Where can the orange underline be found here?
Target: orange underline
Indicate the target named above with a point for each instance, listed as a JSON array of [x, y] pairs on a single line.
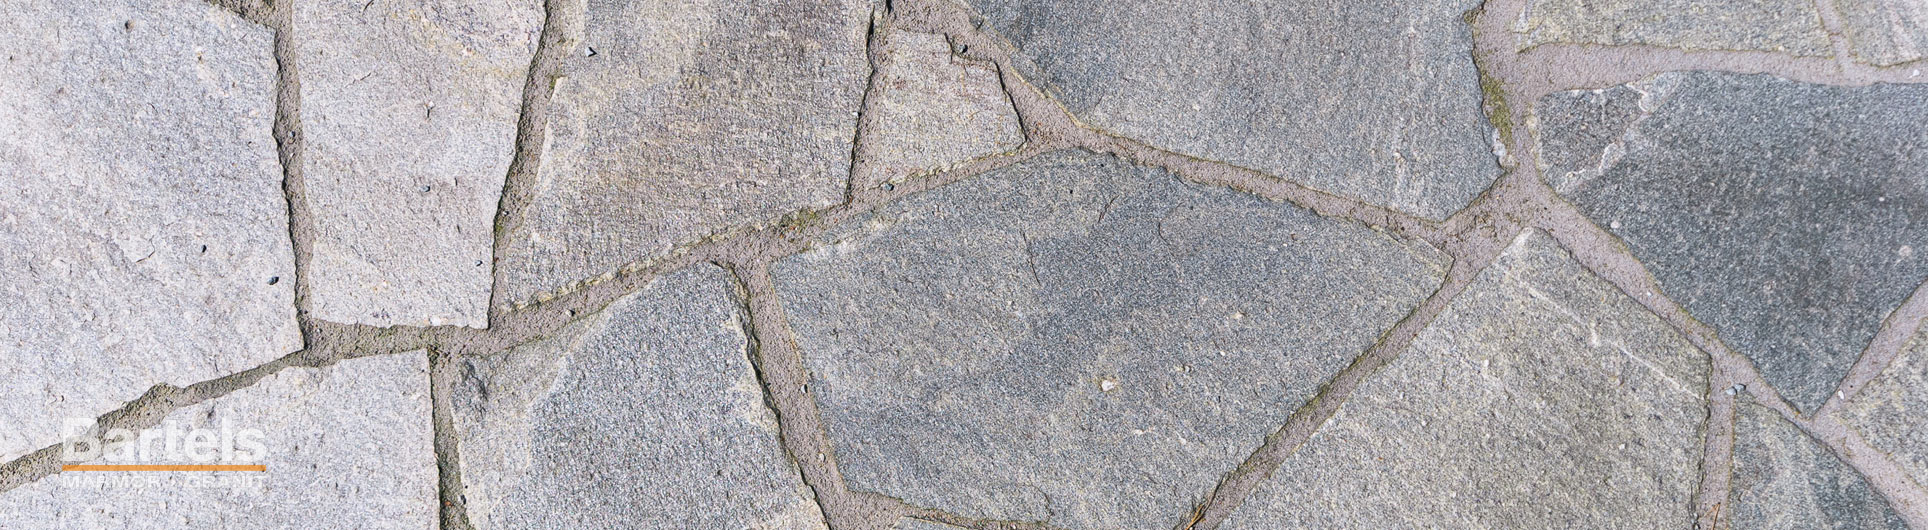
[[130, 467]]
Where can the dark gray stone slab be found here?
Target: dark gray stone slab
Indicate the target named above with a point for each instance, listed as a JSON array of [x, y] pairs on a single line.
[[674, 122], [1783, 479], [143, 228], [1790, 217], [647, 414], [1892, 412], [1885, 32], [1375, 100], [1081, 341], [1787, 26], [408, 116], [1541, 398]]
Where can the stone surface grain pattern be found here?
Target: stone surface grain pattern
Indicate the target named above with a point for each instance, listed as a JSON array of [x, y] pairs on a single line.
[[1783, 479]]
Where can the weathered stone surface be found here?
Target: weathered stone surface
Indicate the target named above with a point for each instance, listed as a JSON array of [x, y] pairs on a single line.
[[1080, 341], [347, 446], [935, 109], [1885, 32], [143, 229], [647, 414], [1787, 26], [1892, 412], [1790, 217], [408, 115], [1579, 131], [1541, 398], [675, 121], [1783, 479], [1375, 100], [907, 523]]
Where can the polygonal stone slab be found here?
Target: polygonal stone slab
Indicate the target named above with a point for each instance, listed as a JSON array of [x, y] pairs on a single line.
[[346, 446], [1886, 32], [1376, 100], [1541, 398], [408, 116], [1787, 26], [1081, 341], [676, 121], [1787, 216], [647, 414], [143, 228], [1892, 412], [1783, 479], [935, 109]]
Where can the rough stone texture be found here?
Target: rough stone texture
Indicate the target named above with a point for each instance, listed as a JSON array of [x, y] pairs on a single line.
[[1080, 341], [1791, 217], [1787, 26], [647, 414], [408, 115], [1579, 131], [935, 109], [1541, 398], [1892, 412], [907, 523], [1783, 479], [1375, 100], [348, 446], [676, 121], [1885, 32], [143, 229]]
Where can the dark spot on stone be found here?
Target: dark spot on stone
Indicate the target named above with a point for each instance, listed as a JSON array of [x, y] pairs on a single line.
[[274, 280]]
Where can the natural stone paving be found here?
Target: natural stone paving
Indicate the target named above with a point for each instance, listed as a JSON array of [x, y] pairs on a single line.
[[1787, 26], [1205, 78], [1892, 412], [1542, 398], [408, 117], [647, 414], [935, 109], [1886, 32], [920, 524], [1078, 340], [138, 185], [350, 441], [1786, 215], [1783, 479]]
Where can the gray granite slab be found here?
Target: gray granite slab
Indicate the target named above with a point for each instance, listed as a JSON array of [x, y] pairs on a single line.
[[1080, 341], [907, 523], [676, 121], [346, 446], [1885, 32], [935, 109], [1892, 412], [143, 229], [1376, 100], [408, 116], [1784, 479], [1790, 217], [1787, 26], [1541, 397], [647, 414]]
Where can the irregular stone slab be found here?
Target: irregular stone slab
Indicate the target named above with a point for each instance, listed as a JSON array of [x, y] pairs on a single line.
[[1885, 32], [935, 109], [1080, 341], [1892, 412], [676, 121], [346, 446], [1374, 100], [1541, 397], [1580, 131], [408, 116], [647, 414], [1782, 479], [1787, 26], [1784, 215], [907, 523], [143, 229]]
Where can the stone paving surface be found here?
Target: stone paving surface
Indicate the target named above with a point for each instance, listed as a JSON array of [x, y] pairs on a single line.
[[964, 264]]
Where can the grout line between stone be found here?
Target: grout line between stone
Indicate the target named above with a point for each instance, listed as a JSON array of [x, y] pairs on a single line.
[[561, 20], [443, 373], [1717, 456], [1896, 334], [289, 143]]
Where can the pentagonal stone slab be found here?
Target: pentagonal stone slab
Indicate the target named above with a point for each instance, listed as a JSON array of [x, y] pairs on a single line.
[[408, 116], [1783, 479], [1790, 217], [1375, 100], [1892, 412], [346, 446], [143, 229], [676, 121], [935, 109], [1787, 26], [1885, 32], [1080, 341], [1541, 398], [647, 414]]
